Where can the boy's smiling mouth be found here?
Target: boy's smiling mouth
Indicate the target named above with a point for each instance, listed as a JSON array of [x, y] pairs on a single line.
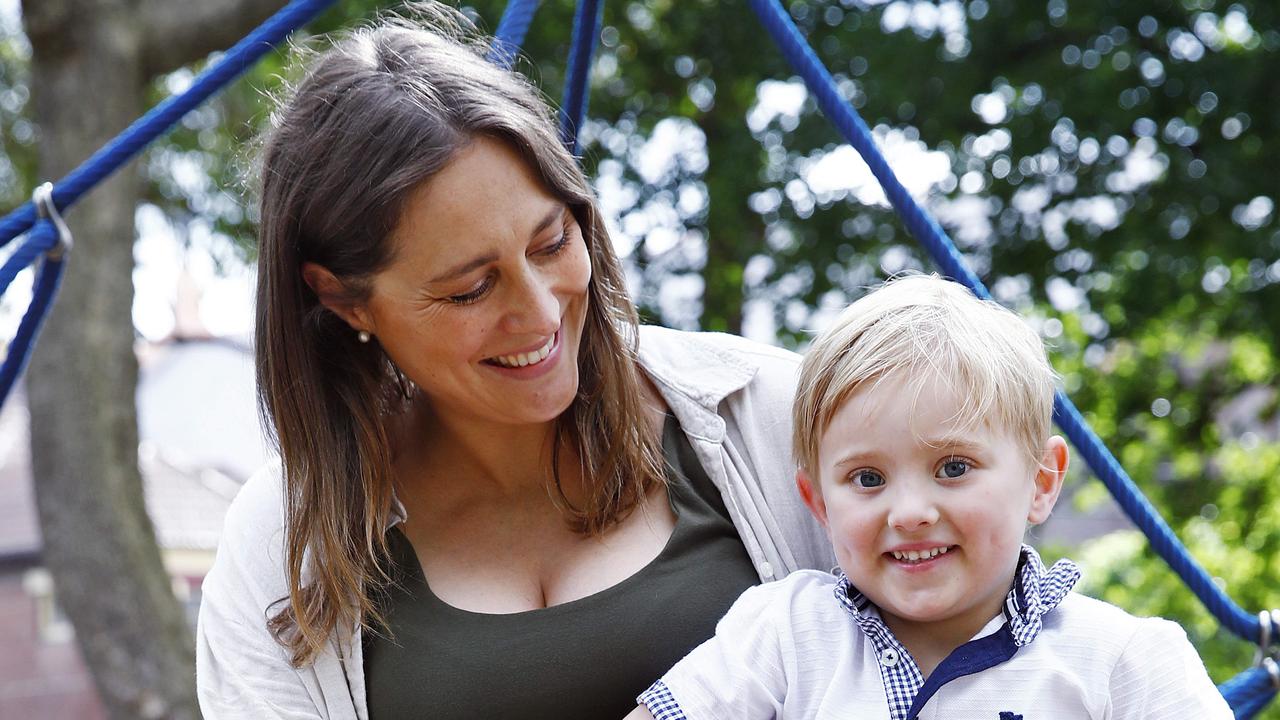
[[914, 557]]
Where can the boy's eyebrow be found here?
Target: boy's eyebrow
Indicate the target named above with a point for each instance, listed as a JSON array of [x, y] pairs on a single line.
[[854, 457], [858, 455], [468, 265], [951, 442]]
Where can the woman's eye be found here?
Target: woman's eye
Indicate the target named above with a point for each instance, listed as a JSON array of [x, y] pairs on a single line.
[[953, 469], [868, 479], [469, 297], [560, 244]]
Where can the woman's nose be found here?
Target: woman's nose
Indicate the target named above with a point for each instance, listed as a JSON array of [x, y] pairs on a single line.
[[534, 308]]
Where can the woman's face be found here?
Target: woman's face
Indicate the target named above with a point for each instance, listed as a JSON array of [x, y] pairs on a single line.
[[483, 303]]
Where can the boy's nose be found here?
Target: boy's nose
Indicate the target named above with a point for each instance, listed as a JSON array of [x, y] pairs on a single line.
[[913, 511]]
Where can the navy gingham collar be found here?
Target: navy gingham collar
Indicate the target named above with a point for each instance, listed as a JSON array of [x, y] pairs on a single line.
[[1036, 591]]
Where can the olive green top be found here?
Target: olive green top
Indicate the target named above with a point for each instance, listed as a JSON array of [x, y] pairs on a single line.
[[587, 658]]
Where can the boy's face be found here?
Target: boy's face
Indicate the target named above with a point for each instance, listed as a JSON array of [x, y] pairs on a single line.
[[927, 521]]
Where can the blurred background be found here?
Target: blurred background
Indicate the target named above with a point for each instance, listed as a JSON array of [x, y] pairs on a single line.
[[1109, 169]]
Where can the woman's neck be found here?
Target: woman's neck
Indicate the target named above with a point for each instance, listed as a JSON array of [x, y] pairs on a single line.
[[490, 458]]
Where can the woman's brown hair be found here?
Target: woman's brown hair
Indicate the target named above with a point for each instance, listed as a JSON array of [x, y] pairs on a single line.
[[375, 116]]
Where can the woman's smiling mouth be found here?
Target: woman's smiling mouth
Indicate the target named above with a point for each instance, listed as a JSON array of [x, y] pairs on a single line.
[[526, 359]]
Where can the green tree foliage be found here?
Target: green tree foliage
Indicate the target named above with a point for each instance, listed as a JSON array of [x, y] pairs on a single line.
[[17, 134], [1191, 414], [1112, 150]]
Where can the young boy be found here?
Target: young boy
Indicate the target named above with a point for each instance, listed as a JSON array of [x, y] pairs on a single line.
[[922, 432]]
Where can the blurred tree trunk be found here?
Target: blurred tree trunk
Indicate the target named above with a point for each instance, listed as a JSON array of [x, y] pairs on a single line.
[[91, 65]]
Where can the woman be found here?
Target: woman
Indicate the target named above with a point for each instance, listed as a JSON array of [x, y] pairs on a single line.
[[498, 497]]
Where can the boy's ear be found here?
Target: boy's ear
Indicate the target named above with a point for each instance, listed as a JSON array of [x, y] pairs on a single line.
[[812, 496], [334, 296], [1049, 477]]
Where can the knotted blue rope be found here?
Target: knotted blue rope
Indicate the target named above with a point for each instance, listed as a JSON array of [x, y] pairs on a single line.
[[511, 31], [586, 31], [163, 116], [110, 158], [38, 242], [944, 252]]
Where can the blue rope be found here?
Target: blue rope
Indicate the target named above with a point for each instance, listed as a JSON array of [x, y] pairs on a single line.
[[163, 116], [577, 81], [42, 237], [1249, 692], [38, 242], [511, 31], [1140, 511], [110, 158], [944, 252]]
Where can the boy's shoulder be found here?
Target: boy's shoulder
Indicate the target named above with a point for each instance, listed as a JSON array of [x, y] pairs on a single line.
[[792, 611], [1139, 667], [1084, 625], [803, 591], [806, 585], [1077, 609]]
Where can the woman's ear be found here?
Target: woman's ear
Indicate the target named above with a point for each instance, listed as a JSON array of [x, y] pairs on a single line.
[[1049, 476], [335, 296], [812, 496]]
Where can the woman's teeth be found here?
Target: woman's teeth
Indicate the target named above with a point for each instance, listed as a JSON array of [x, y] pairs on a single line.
[[525, 359], [920, 555]]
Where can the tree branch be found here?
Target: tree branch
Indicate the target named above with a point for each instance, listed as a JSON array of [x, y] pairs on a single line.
[[176, 33]]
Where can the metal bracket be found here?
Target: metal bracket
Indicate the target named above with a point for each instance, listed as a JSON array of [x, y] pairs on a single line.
[[1273, 670], [42, 198], [1266, 621]]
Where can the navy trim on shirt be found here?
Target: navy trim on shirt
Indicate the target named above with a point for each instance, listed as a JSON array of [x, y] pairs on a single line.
[[972, 657]]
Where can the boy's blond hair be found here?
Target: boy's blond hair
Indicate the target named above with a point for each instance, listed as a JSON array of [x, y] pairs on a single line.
[[921, 327]]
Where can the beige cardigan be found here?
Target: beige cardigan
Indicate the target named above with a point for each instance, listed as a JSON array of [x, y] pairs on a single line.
[[733, 400]]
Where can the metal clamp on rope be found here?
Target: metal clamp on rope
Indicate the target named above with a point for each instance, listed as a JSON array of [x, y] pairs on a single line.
[[1273, 670], [1266, 621], [42, 197]]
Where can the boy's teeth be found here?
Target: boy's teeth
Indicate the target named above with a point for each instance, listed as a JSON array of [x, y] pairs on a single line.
[[919, 555], [525, 359]]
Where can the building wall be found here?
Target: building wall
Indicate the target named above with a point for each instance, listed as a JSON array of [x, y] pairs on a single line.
[[41, 672]]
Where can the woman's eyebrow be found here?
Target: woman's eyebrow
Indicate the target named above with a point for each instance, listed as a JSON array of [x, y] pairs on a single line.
[[462, 269], [469, 265], [555, 213]]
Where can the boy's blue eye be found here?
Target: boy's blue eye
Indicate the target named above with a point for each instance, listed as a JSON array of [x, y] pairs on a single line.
[[953, 469], [868, 479]]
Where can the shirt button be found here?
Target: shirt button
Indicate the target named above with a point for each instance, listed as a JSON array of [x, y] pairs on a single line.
[[766, 570], [889, 658]]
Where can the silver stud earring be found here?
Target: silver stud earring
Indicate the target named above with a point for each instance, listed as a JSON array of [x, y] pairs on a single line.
[[363, 336]]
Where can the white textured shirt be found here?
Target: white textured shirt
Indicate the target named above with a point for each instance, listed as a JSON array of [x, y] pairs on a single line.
[[733, 400], [794, 649]]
